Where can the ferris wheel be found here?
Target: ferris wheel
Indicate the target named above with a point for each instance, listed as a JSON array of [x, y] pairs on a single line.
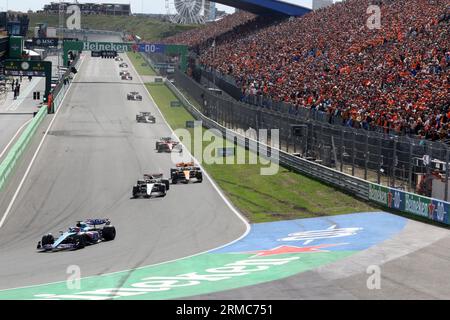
[[187, 11]]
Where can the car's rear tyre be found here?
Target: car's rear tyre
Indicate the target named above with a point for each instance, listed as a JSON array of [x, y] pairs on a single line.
[[109, 233], [167, 183], [135, 192]]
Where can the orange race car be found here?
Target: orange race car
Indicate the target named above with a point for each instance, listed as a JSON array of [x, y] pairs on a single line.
[[186, 172]]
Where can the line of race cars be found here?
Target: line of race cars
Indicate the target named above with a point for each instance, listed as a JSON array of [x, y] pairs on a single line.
[[142, 117], [94, 231], [155, 185], [124, 74]]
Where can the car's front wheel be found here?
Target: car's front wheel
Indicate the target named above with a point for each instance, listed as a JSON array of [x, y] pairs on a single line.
[[109, 233], [80, 242], [47, 240]]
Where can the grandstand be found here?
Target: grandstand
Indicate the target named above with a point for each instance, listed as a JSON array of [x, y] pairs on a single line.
[[267, 7], [394, 79]]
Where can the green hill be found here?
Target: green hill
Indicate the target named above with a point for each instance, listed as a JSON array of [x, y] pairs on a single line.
[[148, 29]]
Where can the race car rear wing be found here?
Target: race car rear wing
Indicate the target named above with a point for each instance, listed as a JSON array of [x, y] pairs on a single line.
[[97, 222], [154, 176]]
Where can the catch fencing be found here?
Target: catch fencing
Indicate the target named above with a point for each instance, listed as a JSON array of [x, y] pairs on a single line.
[[229, 117], [400, 162]]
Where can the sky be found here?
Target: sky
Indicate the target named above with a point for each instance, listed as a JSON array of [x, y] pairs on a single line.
[[148, 6]]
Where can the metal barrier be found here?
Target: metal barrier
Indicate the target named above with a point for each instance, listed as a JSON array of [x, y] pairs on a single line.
[[61, 88], [436, 210]]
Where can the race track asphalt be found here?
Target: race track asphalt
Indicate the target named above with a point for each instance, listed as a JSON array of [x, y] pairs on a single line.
[[93, 155]]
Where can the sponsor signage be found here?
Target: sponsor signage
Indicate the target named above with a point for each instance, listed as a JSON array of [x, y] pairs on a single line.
[[379, 194], [171, 70], [16, 45], [104, 53], [30, 68], [107, 46], [27, 68], [45, 42], [96, 54], [151, 48], [109, 53], [435, 210], [128, 47], [175, 104], [17, 73], [158, 80], [48, 42]]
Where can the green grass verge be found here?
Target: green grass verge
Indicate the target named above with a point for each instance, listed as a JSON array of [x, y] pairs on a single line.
[[284, 196], [148, 29], [137, 61]]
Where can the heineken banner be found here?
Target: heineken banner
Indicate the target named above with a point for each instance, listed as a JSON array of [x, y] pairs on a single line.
[[107, 46], [435, 210]]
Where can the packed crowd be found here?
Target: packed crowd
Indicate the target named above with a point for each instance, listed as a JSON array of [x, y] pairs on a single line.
[[210, 31], [395, 77]]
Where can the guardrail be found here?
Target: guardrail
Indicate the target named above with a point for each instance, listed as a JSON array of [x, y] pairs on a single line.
[[61, 89], [432, 209], [8, 164]]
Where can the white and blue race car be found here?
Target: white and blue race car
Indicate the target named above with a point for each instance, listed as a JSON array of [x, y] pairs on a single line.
[[85, 233]]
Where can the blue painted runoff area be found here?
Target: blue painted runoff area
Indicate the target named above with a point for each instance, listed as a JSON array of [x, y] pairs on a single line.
[[351, 232]]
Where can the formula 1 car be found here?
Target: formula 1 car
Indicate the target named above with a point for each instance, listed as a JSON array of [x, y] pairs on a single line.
[[168, 145], [123, 65], [88, 232], [186, 172], [145, 117], [134, 96], [127, 77], [158, 178], [151, 186], [119, 59], [124, 73]]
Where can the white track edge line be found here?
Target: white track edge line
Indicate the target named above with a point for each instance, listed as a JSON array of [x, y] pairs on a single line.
[[14, 138]]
